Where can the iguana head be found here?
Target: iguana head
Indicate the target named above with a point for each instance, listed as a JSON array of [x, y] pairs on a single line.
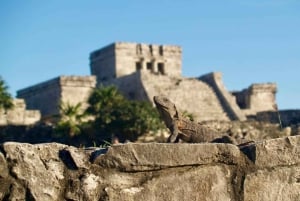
[[166, 108]]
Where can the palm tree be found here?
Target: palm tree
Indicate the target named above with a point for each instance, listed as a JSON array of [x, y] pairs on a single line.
[[70, 119], [105, 105], [5, 98], [102, 98]]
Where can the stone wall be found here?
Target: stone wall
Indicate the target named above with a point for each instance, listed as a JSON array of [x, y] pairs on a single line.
[[189, 95], [121, 59], [103, 62], [257, 98], [227, 100], [19, 115], [267, 170], [287, 117], [47, 96]]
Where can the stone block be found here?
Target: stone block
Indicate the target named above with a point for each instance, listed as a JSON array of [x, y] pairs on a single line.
[[173, 171], [280, 184], [275, 152], [276, 173], [18, 115], [155, 156], [31, 117], [5, 180], [211, 183], [39, 166], [3, 120]]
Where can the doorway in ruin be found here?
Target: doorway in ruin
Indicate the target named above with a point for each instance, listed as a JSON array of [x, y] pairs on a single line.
[[138, 66], [161, 68], [149, 66]]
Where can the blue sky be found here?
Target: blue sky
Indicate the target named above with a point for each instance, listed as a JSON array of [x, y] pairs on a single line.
[[249, 41]]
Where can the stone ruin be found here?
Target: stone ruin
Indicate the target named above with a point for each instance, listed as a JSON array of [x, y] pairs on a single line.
[[47, 96], [141, 71], [257, 98], [262, 170], [19, 115], [266, 171], [121, 59]]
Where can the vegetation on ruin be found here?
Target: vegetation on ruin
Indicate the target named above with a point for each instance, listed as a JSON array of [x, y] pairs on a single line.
[[5, 98], [114, 117], [70, 120]]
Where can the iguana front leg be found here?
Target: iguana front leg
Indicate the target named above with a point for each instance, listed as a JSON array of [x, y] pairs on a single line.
[[174, 132]]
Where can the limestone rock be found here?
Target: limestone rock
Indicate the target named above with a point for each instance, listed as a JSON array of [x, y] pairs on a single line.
[[185, 183], [38, 168], [154, 171], [5, 180], [277, 175], [280, 184], [156, 156], [78, 156], [158, 171], [275, 152], [3, 166]]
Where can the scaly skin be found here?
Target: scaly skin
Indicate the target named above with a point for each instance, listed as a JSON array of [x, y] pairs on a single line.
[[185, 129]]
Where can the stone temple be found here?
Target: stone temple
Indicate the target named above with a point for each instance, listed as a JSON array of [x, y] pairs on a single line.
[[120, 59], [141, 71]]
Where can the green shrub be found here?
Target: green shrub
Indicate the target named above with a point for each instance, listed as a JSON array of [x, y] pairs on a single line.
[[116, 116], [5, 98]]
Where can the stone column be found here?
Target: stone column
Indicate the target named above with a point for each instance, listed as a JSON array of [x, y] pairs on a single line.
[[155, 67], [143, 64]]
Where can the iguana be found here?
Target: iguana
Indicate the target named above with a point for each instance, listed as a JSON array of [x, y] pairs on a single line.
[[185, 129]]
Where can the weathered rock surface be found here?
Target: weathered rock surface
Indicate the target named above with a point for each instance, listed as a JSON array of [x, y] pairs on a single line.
[[267, 170], [155, 156], [277, 170]]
